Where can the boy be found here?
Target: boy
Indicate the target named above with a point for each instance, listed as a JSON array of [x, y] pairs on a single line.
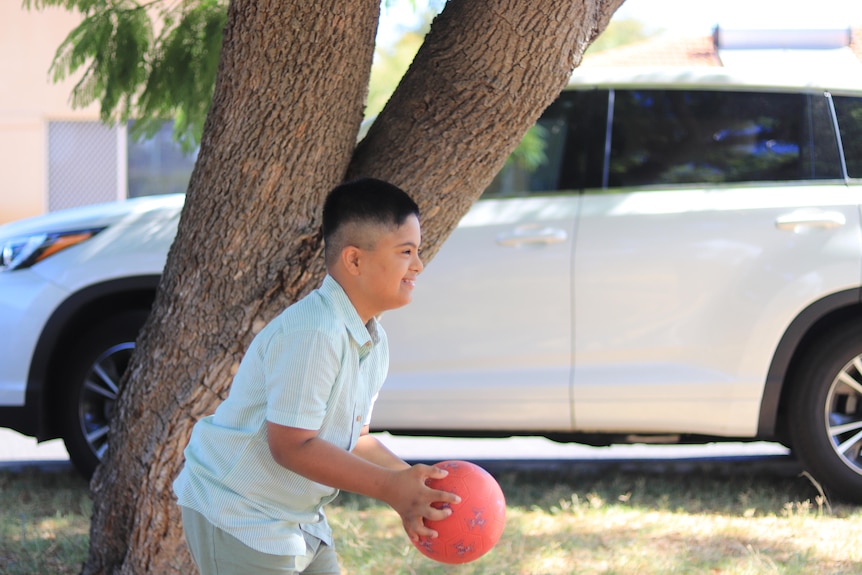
[[294, 428]]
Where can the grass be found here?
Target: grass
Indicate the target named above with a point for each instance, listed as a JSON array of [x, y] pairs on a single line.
[[632, 523], [614, 523], [44, 522]]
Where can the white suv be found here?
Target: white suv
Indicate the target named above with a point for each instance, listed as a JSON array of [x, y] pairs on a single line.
[[684, 263]]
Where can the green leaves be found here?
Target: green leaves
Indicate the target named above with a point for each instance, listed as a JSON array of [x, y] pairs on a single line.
[[530, 153], [110, 44], [136, 75], [183, 72], [84, 6]]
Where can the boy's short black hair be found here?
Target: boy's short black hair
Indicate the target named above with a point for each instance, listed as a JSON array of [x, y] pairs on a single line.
[[364, 201]]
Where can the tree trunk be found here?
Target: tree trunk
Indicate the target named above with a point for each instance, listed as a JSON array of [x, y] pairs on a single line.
[[280, 134], [287, 106]]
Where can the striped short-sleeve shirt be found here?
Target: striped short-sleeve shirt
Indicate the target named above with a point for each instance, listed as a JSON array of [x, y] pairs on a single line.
[[315, 366]]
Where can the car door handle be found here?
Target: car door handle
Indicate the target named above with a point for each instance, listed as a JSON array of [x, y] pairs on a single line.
[[809, 219], [532, 236]]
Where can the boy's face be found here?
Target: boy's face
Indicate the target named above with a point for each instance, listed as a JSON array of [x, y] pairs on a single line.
[[389, 269]]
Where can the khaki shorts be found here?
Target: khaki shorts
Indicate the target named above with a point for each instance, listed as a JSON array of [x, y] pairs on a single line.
[[217, 552]]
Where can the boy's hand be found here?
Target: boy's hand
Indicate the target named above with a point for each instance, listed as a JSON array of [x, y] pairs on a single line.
[[412, 499], [372, 470]]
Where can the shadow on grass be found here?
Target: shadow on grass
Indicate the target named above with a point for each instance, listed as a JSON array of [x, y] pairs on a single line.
[[621, 521], [721, 488], [695, 492]]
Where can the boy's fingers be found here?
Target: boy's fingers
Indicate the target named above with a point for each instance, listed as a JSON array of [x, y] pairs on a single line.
[[435, 514], [419, 529], [429, 508], [438, 472], [446, 497], [430, 472]]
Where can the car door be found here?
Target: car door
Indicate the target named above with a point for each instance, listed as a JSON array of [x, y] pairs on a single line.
[[725, 214], [486, 343]]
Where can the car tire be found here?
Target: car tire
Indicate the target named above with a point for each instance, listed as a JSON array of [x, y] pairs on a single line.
[[826, 413], [92, 374]]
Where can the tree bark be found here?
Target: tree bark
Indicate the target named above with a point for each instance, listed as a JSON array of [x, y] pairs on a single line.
[[280, 134], [287, 106]]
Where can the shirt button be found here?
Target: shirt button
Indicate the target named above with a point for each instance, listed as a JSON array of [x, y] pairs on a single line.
[[358, 418]]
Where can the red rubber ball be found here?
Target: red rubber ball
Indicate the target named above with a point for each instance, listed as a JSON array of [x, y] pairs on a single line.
[[475, 525]]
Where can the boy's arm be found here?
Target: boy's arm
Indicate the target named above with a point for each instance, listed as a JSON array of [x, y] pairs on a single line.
[[371, 449], [400, 486]]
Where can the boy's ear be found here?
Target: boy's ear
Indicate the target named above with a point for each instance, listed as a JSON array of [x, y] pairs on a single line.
[[350, 257]]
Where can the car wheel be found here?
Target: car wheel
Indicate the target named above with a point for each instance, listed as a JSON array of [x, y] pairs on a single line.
[[826, 413], [92, 376]]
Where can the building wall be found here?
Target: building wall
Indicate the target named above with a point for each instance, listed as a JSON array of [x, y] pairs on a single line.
[[29, 101]]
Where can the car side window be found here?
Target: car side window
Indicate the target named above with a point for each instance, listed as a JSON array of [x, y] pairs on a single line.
[[534, 166], [662, 137], [561, 152], [849, 113]]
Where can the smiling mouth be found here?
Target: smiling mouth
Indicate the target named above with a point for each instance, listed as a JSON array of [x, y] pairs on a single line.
[[409, 282]]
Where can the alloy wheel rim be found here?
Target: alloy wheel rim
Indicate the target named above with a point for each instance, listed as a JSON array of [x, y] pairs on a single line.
[[844, 414], [99, 395]]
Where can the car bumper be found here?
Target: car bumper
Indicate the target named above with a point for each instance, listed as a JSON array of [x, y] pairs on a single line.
[[26, 303]]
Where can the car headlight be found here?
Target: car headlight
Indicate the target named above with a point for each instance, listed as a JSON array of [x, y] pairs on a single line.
[[23, 252]]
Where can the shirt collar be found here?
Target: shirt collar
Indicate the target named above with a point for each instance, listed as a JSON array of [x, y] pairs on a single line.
[[361, 333]]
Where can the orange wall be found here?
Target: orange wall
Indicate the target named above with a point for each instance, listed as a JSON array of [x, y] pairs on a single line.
[[28, 101]]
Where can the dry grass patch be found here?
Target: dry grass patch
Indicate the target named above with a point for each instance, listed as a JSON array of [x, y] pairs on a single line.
[[616, 523], [629, 523]]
